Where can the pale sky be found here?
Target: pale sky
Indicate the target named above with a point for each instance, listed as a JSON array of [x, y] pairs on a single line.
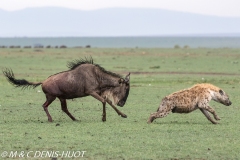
[[226, 8]]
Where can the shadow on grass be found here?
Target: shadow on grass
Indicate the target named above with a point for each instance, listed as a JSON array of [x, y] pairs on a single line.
[[185, 123]]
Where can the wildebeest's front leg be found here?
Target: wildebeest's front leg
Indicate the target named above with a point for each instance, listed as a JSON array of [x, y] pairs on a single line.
[[208, 116], [95, 95], [104, 112], [65, 109], [118, 112]]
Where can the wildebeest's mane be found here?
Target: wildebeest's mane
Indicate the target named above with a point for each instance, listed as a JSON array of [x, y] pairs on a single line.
[[75, 63], [108, 72]]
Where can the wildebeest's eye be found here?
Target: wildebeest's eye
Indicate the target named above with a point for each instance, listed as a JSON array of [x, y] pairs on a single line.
[[221, 92]]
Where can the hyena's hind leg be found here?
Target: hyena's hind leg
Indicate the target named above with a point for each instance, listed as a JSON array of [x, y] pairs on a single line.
[[162, 111]]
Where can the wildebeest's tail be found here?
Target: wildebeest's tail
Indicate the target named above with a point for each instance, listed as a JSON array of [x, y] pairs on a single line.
[[8, 73]]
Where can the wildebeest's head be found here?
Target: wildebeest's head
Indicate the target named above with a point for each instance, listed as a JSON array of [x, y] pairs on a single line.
[[119, 94], [222, 97]]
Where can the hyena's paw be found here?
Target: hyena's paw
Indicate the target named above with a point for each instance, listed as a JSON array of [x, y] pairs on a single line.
[[217, 118], [150, 119]]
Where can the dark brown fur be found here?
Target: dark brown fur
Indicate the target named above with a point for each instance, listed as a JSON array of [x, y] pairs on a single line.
[[83, 79]]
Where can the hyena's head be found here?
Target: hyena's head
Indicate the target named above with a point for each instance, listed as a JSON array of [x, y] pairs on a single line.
[[222, 97]]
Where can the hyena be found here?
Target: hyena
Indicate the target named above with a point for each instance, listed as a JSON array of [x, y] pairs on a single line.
[[188, 100]]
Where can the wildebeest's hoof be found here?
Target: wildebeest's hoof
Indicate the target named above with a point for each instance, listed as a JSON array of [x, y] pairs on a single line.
[[124, 116], [104, 119]]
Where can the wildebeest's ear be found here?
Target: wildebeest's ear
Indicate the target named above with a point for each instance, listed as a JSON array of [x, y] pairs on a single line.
[[121, 80], [127, 78], [221, 92]]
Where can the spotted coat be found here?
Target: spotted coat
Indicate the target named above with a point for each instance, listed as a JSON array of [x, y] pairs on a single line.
[[188, 100]]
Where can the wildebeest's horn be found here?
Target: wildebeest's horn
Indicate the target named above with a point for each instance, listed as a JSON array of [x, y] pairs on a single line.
[[127, 78]]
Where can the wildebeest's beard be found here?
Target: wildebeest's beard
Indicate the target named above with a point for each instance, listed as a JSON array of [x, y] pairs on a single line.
[[119, 94], [122, 101], [125, 87]]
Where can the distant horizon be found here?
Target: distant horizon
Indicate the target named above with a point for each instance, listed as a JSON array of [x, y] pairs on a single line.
[[114, 22], [149, 8], [121, 42], [223, 8], [177, 35]]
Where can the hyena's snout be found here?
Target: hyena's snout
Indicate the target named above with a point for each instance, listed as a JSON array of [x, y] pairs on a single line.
[[228, 103], [225, 100]]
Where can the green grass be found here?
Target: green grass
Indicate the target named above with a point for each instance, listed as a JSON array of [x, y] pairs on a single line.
[[155, 74]]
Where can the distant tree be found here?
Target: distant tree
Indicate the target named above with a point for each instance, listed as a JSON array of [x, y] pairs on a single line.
[[177, 46], [27, 47], [38, 46], [63, 46]]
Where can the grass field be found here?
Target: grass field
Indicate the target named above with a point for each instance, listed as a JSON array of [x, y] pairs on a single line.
[[155, 74]]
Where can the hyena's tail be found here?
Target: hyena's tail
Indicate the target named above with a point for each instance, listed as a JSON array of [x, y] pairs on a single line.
[[8, 73]]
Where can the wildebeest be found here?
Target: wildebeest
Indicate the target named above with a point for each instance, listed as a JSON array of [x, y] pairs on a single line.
[[83, 78]]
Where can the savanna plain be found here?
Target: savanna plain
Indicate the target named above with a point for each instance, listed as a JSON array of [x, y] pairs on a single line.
[[155, 73]]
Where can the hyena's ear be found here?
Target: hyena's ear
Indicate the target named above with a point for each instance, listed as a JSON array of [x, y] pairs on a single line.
[[221, 92]]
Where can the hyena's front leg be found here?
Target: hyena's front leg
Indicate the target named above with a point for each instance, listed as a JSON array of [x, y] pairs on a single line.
[[211, 110], [208, 116]]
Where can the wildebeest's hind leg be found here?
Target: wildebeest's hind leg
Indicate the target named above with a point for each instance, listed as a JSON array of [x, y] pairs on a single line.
[[64, 108], [49, 100]]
